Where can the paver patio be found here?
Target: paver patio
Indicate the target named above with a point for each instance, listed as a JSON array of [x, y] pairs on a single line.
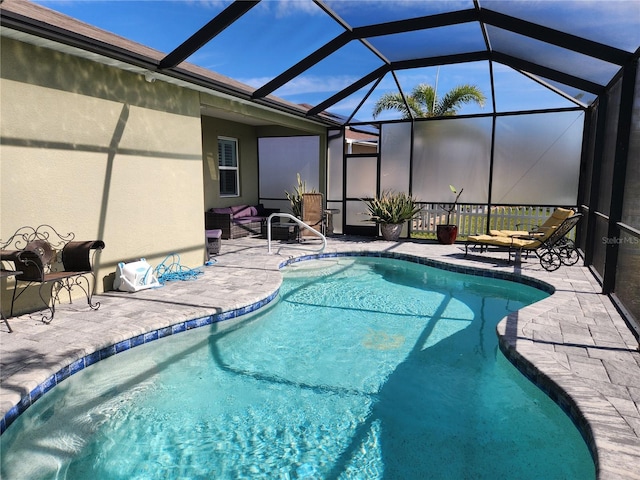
[[573, 344]]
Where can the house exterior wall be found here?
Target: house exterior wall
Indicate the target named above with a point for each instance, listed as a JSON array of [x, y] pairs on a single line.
[[367, 149], [212, 128], [102, 153]]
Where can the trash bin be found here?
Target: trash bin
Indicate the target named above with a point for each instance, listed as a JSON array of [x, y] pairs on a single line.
[[213, 239]]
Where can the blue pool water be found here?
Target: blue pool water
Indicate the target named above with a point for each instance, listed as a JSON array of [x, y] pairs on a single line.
[[362, 369]]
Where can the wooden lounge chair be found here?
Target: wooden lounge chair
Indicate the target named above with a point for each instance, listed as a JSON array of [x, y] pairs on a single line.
[[552, 247]]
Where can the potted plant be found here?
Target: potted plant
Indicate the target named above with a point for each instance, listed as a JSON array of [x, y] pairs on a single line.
[[448, 233], [295, 198], [390, 210]]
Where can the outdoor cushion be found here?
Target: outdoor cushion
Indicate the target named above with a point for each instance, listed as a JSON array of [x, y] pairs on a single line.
[[245, 220], [222, 210], [497, 240], [240, 211], [557, 217]]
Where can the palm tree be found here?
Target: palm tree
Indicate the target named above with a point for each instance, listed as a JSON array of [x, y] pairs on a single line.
[[423, 101]]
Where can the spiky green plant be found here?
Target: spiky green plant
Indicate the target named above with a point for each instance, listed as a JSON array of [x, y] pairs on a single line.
[[391, 207], [423, 101], [295, 198]]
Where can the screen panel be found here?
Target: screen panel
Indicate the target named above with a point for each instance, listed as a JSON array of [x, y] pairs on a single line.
[[609, 149], [551, 56], [452, 152], [361, 177], [537, 159], [631, 205], [432, 42], [395, 156], [600, 241], [628, 273], [356, 214], [587, 173], [280, 158], [614, 22], [380, 12], [335, 165]]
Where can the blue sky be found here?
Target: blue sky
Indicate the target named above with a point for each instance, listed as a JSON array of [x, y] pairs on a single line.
[[276, 34]]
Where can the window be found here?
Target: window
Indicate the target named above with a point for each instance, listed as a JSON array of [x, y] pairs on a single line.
[[228, 167]]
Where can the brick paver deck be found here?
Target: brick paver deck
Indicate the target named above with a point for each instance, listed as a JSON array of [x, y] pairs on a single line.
[[574, 344]]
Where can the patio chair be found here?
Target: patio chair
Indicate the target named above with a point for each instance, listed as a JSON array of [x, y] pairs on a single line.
[[552, 247], [312, 213], [556, 218]]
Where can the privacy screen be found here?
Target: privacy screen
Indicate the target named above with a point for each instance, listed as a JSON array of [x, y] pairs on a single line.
[[452, 152], [280, 158], [537, 159]]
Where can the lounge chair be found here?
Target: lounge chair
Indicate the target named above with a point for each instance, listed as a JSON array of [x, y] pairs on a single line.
[[541, 232], [312, 213], [552, 247], [556, 218]]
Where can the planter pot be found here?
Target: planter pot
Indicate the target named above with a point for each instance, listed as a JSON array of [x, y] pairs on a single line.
[[447, 234], [391, 231]]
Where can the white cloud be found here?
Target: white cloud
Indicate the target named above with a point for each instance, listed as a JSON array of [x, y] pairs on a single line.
[[284, 8], [305, 84], [217, 4]]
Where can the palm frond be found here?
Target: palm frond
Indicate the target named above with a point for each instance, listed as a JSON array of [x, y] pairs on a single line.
[[423, 101], [390, 101], [425, 94], [458, 96]]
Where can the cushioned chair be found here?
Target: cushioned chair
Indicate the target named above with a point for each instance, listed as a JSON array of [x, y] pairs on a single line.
[[508, 238], [551, 246], [556, 218]]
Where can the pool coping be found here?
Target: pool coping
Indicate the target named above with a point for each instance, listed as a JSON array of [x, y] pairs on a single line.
[[557, 384]]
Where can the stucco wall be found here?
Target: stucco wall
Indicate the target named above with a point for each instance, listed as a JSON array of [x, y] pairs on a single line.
[[212, 128], [100, 152]]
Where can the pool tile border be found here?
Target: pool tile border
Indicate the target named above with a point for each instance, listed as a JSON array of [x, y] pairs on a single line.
[[553, 390], [153, 335], [119, 347]]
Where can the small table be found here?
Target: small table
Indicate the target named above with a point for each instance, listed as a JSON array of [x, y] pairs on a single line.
[[7, 274], [281, 231], [329, 213]]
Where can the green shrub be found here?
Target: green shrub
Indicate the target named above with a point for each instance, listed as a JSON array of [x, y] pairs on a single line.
[[391, 207]]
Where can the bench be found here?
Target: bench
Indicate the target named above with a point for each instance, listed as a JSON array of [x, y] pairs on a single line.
[[42, 256]]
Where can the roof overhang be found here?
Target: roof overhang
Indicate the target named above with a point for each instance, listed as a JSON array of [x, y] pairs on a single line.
[[30, 23]]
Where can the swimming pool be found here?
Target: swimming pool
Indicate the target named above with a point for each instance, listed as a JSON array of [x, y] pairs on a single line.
[[402, 380]]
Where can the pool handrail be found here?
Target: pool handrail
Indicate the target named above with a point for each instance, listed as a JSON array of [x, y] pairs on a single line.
[[301, 224]]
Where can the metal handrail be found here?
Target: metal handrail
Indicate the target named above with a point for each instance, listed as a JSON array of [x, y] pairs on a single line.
[[302, 225]]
